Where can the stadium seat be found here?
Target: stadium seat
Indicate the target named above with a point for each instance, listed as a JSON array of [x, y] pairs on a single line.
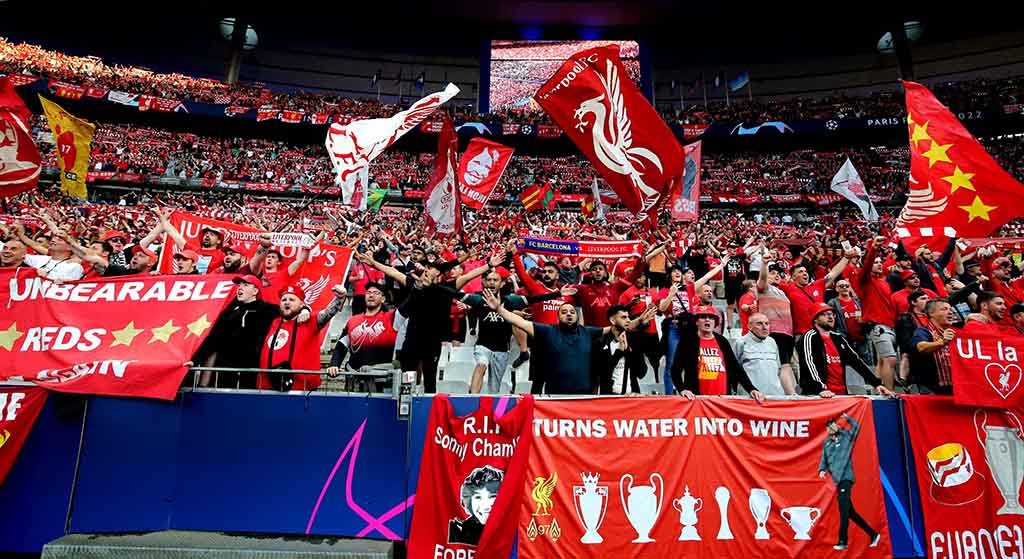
[[459, 370], [452, 387], [523, 387], [652, 388]]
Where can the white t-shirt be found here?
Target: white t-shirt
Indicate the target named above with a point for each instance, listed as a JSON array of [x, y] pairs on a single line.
[[66, 270]]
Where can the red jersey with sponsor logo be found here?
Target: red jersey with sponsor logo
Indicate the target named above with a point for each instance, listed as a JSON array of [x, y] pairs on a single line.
[[835, 378], [544, 312], [644, 298], [471, 477], [802, 301], [851, 314], [290, 345], [371, 339], [209, 258], [711, 374]]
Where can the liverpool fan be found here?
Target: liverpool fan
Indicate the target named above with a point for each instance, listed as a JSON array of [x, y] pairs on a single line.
[[825, 354], [878, 312], [1017, 314], [773, 303], [1001, 279], [930, 368], [185, 262], [490, 354], [804, 295], [758, 354], [747, 304], [611, 357], [293, 346], [55, 261], [208, 249], [904, 263], [235, 261], [361, 276], [238, 334], [600, 294], [276, 277], [990, 316], [907, 324], [428, 308], [644, 341], [846, 305], [12, 255], [545, 312], [369, 337], [705, 364], [931, 266], [911, 283], [735, 275], [563, 353]]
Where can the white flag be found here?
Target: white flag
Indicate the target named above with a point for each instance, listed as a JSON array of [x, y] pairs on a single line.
[[848, 184], [598, 205], [352, 146]]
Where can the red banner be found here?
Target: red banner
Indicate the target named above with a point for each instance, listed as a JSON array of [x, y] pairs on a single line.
[[67, 90], [786, 198], [694, 130], [548, 131], [19, 408], [318, 118], [442, 204], [602, 111], [326, 266], [686, 196], [89, 337], [987, 369], [96, 92], [969, 464], [741, 200], [292, 117], [266, 113], [480, 169], [19, 159], [18, 80], [667, 477]]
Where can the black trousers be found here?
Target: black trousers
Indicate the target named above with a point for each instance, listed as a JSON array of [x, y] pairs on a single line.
[[848, 513], [423, 357], [643, 345]]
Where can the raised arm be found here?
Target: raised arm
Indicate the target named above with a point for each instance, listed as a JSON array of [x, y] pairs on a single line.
[[707, 277], [383, 268], [838, 268], [293, 268], [19, 230], [325, 316], [494, 262], [164, 224], [492, 301]]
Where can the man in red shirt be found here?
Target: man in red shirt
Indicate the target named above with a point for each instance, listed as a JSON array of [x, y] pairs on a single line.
[[274, 276], [804, 294], [600, 294], [705, 364], [878, 311], [911, 283], [824, 356], [369, 337], [644, 341], [1001, 281], [991, 314], [208, 248], [747, 304]]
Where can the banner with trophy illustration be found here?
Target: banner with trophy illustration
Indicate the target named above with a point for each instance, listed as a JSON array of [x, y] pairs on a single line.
[[714, 477], [969, 465]]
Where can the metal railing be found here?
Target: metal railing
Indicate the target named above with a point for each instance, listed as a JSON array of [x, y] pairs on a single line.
[[371, 381]]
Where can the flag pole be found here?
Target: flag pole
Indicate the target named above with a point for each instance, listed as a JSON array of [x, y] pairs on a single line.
[[750, 90], [704, 84], [725, 83]]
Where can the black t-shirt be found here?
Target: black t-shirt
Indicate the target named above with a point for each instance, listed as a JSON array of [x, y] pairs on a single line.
[[429, 312], [563, 357], [494, 331]]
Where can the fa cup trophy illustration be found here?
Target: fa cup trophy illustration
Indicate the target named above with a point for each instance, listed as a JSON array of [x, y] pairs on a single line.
[[688, 507]]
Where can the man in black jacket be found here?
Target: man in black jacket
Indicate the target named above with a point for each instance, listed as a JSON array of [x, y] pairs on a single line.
[[238, 334], [704, 362], [824, 356]]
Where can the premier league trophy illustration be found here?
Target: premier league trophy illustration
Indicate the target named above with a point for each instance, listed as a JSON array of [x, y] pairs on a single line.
[[591, 502], [722, 498], [688, 507], [760, 505], [1004, 453], [642, 508]]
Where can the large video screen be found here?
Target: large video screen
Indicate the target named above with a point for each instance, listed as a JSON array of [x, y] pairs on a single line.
[[519, 68]]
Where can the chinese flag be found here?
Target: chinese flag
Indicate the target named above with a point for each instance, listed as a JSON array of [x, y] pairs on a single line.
[[954, 182], [74, 140]]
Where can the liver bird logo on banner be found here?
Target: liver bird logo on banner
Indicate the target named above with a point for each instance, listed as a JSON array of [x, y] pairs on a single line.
[[313, 289], [613, 136]]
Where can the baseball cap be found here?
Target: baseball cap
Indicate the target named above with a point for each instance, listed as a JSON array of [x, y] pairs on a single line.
[[147, 252], [211, 230], [970, 263], [705, 310], [820, 308], [188, 254], [293, 290], [904, 274], [233, 247], [250, 279], [114, 235]]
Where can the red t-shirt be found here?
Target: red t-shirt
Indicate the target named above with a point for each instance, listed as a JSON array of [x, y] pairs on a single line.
[[747, 298], [835, 379], [711, 369], [899, 299], [278, 280], [681, 302], [645, 297], [209, 258], [362, 275], [851, 314], [712, 262], [802, 301], [295, 345]]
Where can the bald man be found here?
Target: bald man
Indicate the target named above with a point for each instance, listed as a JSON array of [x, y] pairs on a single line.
[[759, 355]]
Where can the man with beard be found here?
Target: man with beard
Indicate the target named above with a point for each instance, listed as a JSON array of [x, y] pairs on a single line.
[[990, 316], [911, 283], [705, 364], [931, 266], [208, 248], [235, 261], [369, 337], [1001, 279], [878, 311], [644, 341], [596, 297], [56, 261], [276, 277], [825, 354], [237, 334], [291, 345], [544, 312], [563, 352]]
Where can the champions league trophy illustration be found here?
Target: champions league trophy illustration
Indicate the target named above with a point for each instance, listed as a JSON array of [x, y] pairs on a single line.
[[722, 498], [801, 520], [642, 508], [760, 505], [1004, 453], [688, 508], [591, 502]]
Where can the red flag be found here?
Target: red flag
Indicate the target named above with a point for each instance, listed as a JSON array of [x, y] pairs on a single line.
[[986, 368], [441, 203], [19, 158], [480, 169], [19, 408], [954, 182], [587, 206], [686, 196], [593, 99], [89, 337]]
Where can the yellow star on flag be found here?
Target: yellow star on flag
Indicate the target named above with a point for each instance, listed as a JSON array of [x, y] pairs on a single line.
[[937, 152], [959, 179], [126, 335], [977, 209], [9, 336], [198, 327], [920, 133], [164, 333]]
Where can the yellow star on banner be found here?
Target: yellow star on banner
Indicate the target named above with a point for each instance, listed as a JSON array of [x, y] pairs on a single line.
[[910, 120], [959, 179], [126, 335], [920, 133], [937, 152], [198, 327], [164, 333], [977, 209], [9, 336]]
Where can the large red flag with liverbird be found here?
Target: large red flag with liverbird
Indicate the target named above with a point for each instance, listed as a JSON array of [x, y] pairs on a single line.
[[956, 188], [441, 202], [593, 99], [19, 158]]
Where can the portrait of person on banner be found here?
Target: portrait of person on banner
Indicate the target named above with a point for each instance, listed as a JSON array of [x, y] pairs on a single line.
[[837, 462], [479, 490]]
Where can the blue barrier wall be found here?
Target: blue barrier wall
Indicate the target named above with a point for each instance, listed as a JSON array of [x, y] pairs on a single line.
[[323, 465]]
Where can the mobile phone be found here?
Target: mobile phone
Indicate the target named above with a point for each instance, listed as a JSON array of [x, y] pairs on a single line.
[[847, 245]]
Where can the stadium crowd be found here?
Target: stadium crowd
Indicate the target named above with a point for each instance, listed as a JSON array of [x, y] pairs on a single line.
[[759, 304]]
